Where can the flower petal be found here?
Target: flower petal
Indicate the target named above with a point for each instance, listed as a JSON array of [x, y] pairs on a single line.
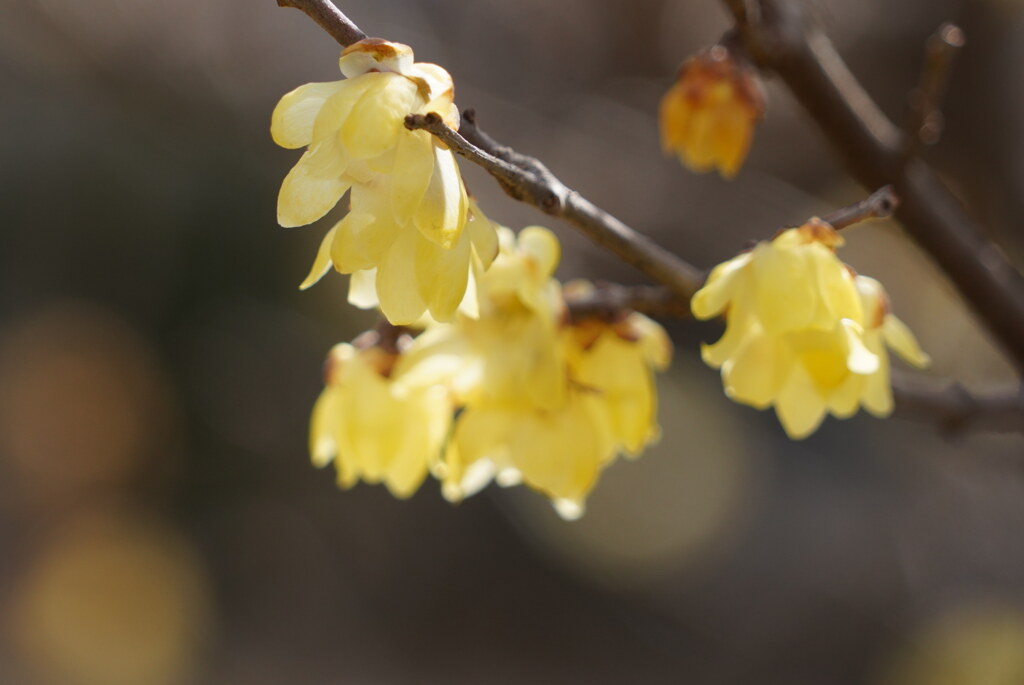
[[799, 406], [291, 124], [362, 289], [322, 263], [397, 290], [310, 189], [441, 214], [902, 341], [441, 275]]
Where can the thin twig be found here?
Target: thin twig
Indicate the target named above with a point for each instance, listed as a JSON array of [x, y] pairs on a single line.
[[330, 19], [925, 120], [610, 300], [955, 410], [782, 39], [534, 184], [878, 205]]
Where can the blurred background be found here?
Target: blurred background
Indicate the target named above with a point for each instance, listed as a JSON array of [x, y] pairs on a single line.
[[160, 523]]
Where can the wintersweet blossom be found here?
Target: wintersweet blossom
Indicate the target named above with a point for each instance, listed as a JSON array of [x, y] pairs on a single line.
[[544, 400], [707, 117], [374, 429], [408, 204], [803, 333]]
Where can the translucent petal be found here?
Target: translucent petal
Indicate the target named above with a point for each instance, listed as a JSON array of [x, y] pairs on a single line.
[[719, 288], [377, 119], [618, 372], [800, 407], [441, 214], [482, 235], [542, 249], [291, 124], [561, 453], [362, 289], [844, 401], [307, 192], [754, 375], [322, 263], [441, 276], [322, 428], [784, 288], [361, 242], [839, 296], [858, 358], [902, 341], [397, 289], [414, 165], [337, 107], [877, 390]]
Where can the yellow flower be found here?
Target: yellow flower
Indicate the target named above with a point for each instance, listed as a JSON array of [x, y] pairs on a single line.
[[374, 429], [802, 332], [707, 117], [617, 360], [408, 205], [544, 401]]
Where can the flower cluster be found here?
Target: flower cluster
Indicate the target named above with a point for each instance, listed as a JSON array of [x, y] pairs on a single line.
[[408, 231], [803, 332], [707, 117], [485, 371], [519, 393]]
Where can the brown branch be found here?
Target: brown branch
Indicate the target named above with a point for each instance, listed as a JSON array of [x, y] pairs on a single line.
[[925, 121], [330, 19], [878, 205], [610, 300], [955, 410], [529, 181], [781, 38]]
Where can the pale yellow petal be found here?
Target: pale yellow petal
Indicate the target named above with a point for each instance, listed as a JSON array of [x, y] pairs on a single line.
[[337, 107], [844, 400], [720, 287], [377, 119], [899, 337], [310, 190], [877, 394], [542, 249], [291, 124], [561, 453], [799, 406], [322, 263], [322, 428], [482, 235], [397, 289], [362, 289], [362, 241], [441, 214], [442, 275], [755, 374], [784, 288], [414, 165], [858, 358]]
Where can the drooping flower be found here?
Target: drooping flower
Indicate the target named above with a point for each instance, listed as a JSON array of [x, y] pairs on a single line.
[[803, 334], [408, 205], [708, 116], [617, 358], [544, 400], [374, 429]]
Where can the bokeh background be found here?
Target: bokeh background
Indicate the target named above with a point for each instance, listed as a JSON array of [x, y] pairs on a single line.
[[160, 523]]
